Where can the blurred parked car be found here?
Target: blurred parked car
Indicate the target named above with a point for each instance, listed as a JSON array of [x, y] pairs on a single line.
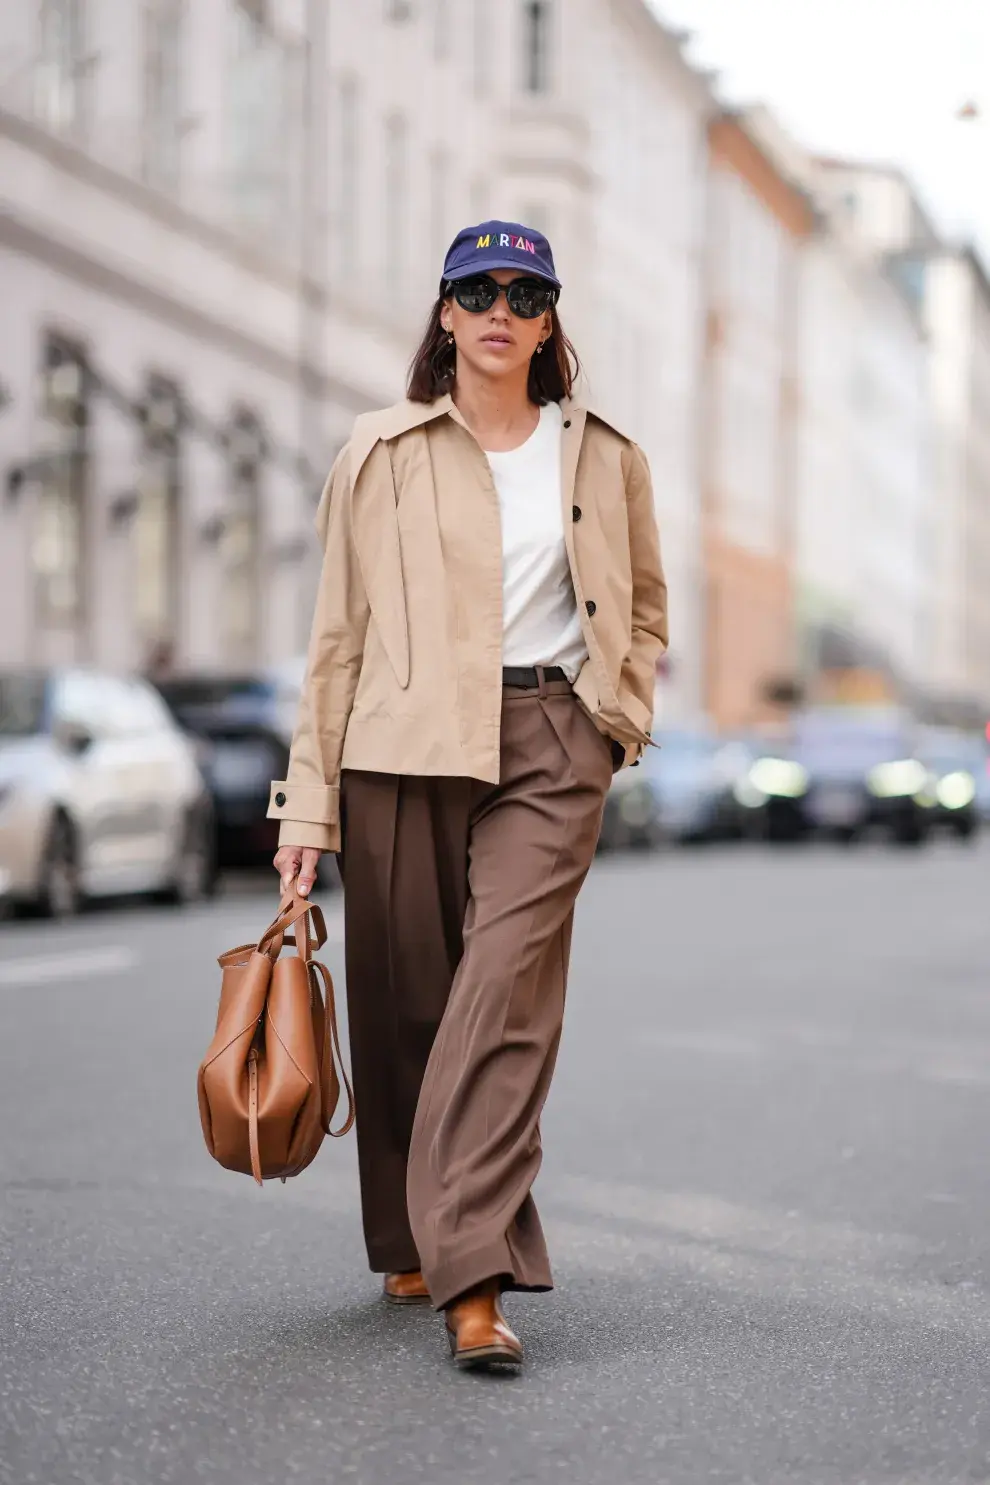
[[100, 793], [243, 725], [983, 782], [692, 774], [843, 772], [631, 815], [683, 791], [958, 763]]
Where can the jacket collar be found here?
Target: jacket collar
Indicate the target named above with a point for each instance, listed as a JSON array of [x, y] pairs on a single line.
[[390, 422]]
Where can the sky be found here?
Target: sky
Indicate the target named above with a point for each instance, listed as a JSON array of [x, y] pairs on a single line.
[[871, 79]]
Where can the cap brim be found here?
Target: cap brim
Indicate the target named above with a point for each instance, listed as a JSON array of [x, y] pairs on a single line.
[[454, 278]]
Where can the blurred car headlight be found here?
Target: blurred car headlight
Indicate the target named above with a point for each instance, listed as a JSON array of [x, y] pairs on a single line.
[[956, 790], [778, 778], [897, 780]]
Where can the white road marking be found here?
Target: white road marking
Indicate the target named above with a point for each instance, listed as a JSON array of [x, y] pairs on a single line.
[[78, 964]]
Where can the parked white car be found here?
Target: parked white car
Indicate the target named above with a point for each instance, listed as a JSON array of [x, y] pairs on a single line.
[[100, 793]]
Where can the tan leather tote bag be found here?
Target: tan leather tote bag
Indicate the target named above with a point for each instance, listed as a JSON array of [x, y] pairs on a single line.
[[269, 1085]]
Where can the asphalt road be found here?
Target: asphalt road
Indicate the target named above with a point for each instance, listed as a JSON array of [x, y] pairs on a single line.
[[765, 1186]]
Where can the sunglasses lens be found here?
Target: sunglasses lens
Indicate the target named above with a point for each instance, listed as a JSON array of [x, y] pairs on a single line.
[[476, 294], [529, 298]]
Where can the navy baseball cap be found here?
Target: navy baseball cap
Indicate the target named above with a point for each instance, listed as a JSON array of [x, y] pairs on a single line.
[[499, 245]]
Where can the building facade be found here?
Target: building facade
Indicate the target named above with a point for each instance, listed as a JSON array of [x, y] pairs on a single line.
[[169, 406], [758, 223], [223, 231], [957, 302], [864, 510], [950, 287]]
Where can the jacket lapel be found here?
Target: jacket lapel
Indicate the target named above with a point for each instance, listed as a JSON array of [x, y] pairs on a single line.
[[375, 521]]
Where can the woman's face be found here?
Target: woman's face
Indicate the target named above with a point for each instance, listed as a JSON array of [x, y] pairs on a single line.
[[496, 342]]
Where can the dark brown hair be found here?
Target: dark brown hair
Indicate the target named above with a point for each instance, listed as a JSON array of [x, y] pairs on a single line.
[[432, 368]]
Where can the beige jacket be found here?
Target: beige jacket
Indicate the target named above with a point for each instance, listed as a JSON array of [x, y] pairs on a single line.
[[405, 657]]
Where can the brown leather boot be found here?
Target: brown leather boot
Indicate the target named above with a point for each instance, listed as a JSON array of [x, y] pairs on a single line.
[[478, 1332], [406, 1289]]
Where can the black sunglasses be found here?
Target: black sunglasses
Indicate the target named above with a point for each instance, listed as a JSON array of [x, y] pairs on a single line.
[[526, 297]]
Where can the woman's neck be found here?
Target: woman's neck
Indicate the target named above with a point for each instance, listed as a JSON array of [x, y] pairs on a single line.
[[498, 413]]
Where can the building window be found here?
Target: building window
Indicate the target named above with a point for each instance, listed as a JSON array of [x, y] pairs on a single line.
[[162, 96], [241, 543], [156, 525], [64, 471], [443, 15], [260, 148], [536, 214], [479, 196], [480, 48], [440, 229], [536, 42], [61, 65], [347, 195], [396, 184]]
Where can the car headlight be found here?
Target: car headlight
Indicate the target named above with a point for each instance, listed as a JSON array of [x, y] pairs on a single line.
[[897, 780], [956, 790], [779, 778]]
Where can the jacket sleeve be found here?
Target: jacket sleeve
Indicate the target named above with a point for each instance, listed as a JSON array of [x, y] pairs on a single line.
[[307, 801], [649, 592]]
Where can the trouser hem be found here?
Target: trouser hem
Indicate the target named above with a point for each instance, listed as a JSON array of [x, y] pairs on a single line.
[[448, 1280], [393, 1260]]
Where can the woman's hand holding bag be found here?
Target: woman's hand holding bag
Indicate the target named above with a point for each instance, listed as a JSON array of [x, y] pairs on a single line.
[[297, 864]]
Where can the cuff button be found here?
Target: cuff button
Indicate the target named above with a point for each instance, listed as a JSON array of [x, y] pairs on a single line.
[[280, 799]]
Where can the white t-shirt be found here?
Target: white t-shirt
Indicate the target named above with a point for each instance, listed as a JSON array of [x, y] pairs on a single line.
[[540, 621]]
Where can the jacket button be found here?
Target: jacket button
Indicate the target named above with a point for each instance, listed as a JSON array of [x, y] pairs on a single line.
[[592, 608], [575, 513], [567, 422], [280, 799]]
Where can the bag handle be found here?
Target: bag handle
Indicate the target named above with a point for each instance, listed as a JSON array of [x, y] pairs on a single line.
[[332, 1052], [292, 909]]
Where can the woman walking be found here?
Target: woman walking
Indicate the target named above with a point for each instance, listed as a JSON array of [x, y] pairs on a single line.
[[490, 612]]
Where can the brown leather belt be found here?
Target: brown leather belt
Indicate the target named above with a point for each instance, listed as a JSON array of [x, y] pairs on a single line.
[[527, 677]]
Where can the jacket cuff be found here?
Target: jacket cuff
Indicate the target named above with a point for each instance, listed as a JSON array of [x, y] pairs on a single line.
[[319, 804], [626, 755], [639, 715], [309, 814]]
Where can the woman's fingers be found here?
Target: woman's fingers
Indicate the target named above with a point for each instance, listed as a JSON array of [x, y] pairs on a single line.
[[307, 869], [287, 862], [292, 862]]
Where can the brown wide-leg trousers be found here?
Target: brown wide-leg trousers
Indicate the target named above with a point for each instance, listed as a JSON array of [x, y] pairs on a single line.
[[458, 904]]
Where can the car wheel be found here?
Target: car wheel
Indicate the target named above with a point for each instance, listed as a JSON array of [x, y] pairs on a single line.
[[61, 894], [784, 833], [909, 833], [194, 875]]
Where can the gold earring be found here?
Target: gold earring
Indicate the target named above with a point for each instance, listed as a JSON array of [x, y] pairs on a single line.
[[539, 348], [450, 337]]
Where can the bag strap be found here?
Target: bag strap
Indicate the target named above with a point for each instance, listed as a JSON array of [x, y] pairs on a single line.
[[253, 1141], [332, 1052], [292, 909]]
